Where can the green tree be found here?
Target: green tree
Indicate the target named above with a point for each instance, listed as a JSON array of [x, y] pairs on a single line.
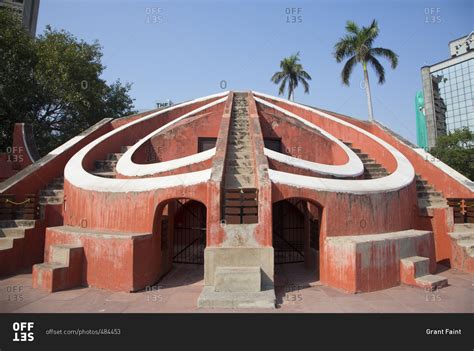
[[457, 150], [291, 74], [356, 45], [65, 93], [17, 84]]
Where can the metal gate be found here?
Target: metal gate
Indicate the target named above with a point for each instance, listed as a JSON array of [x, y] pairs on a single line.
[[288, 233], [189, 238]]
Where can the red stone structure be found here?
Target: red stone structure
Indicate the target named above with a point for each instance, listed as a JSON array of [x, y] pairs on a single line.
[[238, 182]]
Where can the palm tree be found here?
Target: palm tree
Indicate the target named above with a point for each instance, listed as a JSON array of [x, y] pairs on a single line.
[[357, 46], [292, 72]]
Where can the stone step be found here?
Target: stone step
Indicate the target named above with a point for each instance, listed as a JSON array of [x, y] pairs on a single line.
[[51, 192], [371, 166], [12, 232], [210, 298], [467, 245], [240, 169], [17, 223], [63, 269], [375, 174], [239, 162], [44, 200], [105, 165], [242, 143], [238, 181], [464, 227], [54, 186], [424, 186], [432, 281], [6, 243], [237, 279], [240, 155], [114, 156], [433, 203], [429, 194], [376, 171], [420, 265], [238, 148]]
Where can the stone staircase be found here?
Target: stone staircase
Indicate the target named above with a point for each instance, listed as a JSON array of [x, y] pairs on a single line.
[[62, 270], [415, 271], [107, 168], [20, 245], [372, 169], [53, 194], [240, 193], [462, 247], [427, 195], [12, 232]]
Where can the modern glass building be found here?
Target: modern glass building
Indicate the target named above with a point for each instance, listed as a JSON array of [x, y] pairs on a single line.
[[27, 10], [448, 89]]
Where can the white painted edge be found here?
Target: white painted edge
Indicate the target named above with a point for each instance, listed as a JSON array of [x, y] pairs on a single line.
[[352, 168], [26, 143], [156, 168], [127, 167], [400, 178], [445, 168], [77, 176]]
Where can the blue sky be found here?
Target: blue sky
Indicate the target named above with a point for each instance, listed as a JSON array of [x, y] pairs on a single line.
[[194, 45]]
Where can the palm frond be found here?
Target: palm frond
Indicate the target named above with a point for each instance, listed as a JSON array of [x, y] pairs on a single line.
[[277, 77], [352, 27], [281, 89], [379, 70], [386, 53], [347, 70]]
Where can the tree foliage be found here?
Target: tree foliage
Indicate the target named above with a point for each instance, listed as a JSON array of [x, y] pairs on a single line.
[[291, 74], [356, 46], [53, 82], [457, 150]]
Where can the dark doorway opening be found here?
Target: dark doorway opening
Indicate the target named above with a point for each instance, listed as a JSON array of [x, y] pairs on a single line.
[[189, 237], [273, 144], [296, 226], [206, 144]]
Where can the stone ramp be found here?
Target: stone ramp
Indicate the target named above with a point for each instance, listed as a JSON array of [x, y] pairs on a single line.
[[239, 170], [240, 193]]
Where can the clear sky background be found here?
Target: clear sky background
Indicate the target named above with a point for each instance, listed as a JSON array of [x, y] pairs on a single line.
[[191, 46]]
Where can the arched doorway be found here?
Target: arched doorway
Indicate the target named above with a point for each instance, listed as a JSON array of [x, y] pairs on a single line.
[[189, 237], [296, 226], [182, 235]]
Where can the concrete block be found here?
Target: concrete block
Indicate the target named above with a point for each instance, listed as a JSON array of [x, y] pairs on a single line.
[[431, 281], [213, 299], [237, 279], [414, 267], [239, 257]]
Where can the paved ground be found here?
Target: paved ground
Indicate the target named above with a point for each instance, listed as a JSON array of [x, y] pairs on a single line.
[[297, 291]]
